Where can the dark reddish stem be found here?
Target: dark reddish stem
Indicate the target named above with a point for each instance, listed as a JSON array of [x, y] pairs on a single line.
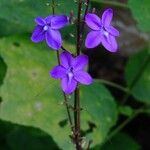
[[77, 135], [79, 27]]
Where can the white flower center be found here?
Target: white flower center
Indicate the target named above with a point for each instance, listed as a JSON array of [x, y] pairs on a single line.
[[70, 74], [45, 28], [105, 33]]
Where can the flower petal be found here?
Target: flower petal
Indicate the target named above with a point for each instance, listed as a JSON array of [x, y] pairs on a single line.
[[53, 39], [68, 86], [110, 43], [113, 31], [58, 72], [107, 17], [58, 22], [48, 19], [93, 39], [80, 62], [38, 34], [83, 77], [66, 59], [40, 21], [93, 21]]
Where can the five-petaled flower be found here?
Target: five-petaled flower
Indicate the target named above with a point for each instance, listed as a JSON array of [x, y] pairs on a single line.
[[102, 32], [47, 29], [71, 72]]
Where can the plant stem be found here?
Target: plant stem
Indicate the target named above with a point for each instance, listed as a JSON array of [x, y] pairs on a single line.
[[68, 112], [112, 84], [122, 125], [77, 119], [79, 28], [137, 77], [65, 96], [77, 135], [66, 101], [53, 6]]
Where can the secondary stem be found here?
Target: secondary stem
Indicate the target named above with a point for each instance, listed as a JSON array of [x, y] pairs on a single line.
[[65, 96], [66, 101], [112, 84], [121, 126]]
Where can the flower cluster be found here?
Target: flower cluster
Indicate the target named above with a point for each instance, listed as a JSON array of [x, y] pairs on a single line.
[[71, 69]]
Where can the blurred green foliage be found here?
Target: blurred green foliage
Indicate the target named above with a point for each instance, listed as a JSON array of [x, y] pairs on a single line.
[[140, 10]]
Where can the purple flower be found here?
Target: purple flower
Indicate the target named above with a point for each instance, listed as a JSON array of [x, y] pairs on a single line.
[[71, 72], [102, 32], [47, 29]]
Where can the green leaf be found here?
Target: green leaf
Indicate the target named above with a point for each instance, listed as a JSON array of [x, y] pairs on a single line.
[[140, 10], [32, 98], [19, 137], [141, 89], [121, 141], [21, 13], [126, 110], [100, 109]]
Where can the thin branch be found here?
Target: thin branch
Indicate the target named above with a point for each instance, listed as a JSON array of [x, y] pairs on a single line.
[[65, 96], [122, 125]]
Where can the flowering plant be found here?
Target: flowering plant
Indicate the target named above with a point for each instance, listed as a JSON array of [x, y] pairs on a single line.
[[80, 80], [70, 67]]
